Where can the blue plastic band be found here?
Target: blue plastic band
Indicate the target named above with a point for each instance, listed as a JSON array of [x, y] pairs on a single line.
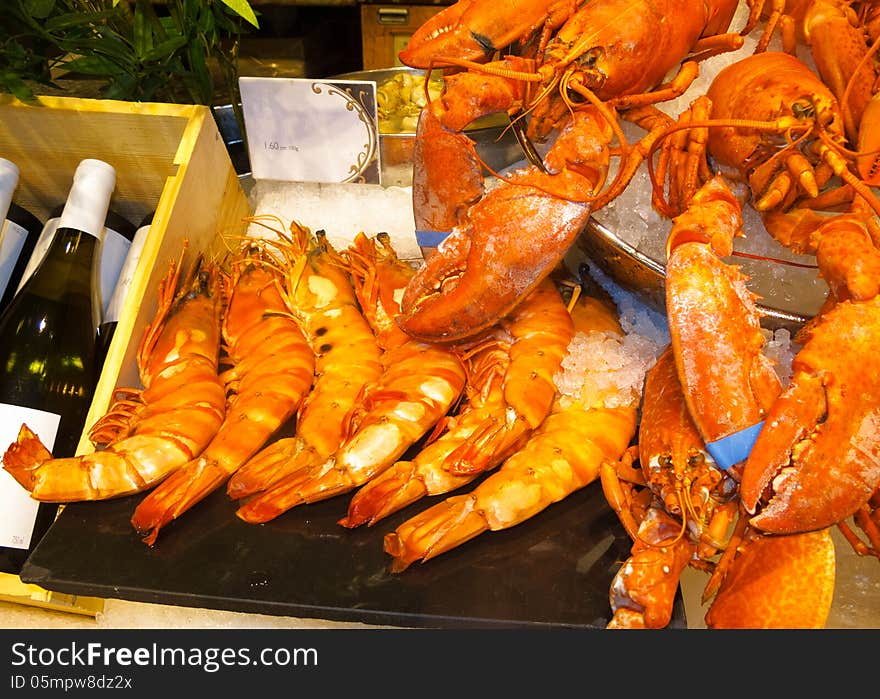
[[431, 239], [734, 447]]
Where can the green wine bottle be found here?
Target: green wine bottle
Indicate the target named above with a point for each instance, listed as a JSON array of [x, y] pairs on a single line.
[[19, 232], [114, 308], [47, 353]]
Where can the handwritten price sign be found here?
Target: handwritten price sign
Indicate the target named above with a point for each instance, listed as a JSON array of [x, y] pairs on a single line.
[[310, 130]]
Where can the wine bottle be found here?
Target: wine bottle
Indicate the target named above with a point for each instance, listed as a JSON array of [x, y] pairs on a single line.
[[19, 230], [116, 238], [48, 353], [117, 300], [115, 245]]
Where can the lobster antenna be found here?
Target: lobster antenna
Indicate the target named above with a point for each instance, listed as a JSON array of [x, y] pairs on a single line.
[[491, 70]]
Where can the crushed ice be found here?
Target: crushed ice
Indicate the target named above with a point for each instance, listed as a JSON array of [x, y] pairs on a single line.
[[606, 369]]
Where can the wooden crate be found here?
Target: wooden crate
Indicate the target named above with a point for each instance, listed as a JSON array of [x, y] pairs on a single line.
[[169, 159]]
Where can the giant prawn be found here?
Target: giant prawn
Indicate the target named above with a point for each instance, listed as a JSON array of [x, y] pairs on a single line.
[[271, 369], [347, 359], [510, 391], [149, 432], [417, 387], [562, 456]]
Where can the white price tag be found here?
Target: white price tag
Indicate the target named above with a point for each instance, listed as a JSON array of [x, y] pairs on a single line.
[[18, 507], [311, 130]]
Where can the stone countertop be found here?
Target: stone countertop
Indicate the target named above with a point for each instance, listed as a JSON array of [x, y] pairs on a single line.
[[123, 614]]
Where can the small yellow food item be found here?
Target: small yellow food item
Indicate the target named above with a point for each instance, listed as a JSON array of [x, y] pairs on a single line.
[[399, 100]]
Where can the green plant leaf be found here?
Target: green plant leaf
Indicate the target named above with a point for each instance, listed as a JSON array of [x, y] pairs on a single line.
[[128, 46], [164, 49], [142, 35], [201, 75], [71, 20], [18, 88], [121, 87], [39, 9], [92, 65], [243, 9], [207, 24]]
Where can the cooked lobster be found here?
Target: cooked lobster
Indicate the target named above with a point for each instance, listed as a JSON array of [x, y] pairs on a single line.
[[839, 37], [774, 125], [678, 508], [810, 455], [609, 56]]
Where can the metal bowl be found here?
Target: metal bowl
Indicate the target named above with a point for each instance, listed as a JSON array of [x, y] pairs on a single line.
[[496, 146], [626, 239], [639, 272]]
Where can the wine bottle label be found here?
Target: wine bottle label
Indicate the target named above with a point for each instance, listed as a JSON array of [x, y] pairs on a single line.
[[12, 240], [18, 507], [114, 250], [117, 300]]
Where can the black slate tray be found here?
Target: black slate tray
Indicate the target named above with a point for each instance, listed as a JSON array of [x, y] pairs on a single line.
[[551, 571]]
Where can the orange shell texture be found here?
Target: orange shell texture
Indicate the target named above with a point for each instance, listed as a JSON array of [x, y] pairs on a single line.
[[778, 582]]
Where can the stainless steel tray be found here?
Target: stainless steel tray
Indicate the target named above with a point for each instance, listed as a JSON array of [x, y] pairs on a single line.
[[789, 295]]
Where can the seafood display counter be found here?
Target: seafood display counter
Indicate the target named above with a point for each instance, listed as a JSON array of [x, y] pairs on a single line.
[[552, 571]]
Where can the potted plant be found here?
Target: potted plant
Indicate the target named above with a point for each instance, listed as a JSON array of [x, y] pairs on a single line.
[[137, 50]]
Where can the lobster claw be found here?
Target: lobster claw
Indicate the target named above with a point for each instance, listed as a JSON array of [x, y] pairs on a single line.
[[444, 34], [817, 459], [869, 143], [475, 29], [509, 240], [764, 587], [513, 238]]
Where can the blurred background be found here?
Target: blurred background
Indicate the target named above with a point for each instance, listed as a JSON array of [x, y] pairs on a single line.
[[319, 38], [194, 51]]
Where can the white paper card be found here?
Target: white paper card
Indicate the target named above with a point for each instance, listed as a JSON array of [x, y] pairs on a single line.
[[18, 507], [311, 130]]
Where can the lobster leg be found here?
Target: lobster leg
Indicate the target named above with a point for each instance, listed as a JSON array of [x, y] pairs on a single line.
[[867, 518], [618, 480]]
